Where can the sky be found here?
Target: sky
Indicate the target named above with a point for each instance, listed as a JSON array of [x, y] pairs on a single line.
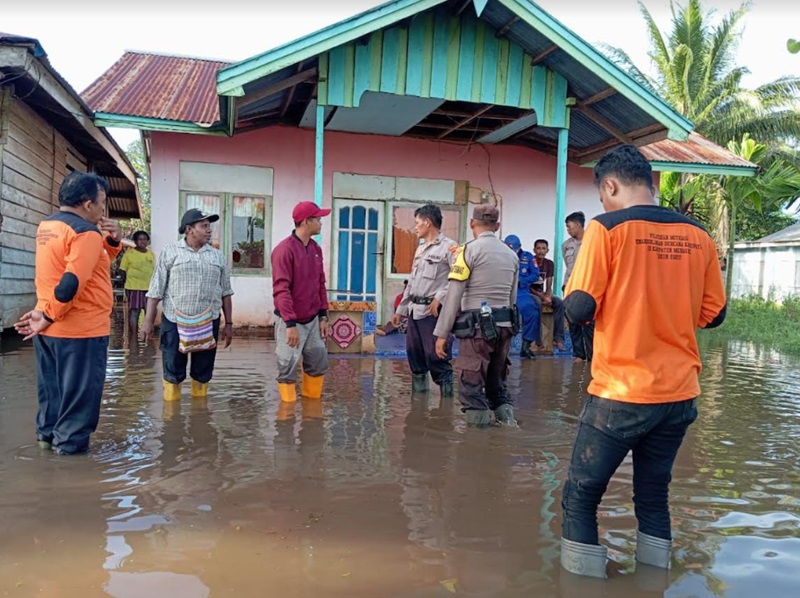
[[83, 38]]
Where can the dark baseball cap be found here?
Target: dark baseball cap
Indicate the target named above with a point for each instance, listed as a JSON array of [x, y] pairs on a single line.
[[195, 215], [486, 213]]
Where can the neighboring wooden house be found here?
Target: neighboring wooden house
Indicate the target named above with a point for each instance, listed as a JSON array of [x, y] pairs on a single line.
[[46, 131], [413, 101]]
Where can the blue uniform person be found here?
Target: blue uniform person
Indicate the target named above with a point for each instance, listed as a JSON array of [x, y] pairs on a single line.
[[528, 309]]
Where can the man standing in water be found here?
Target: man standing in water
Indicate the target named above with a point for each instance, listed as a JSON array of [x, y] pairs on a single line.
[[582, 335], [300, 297], [649, 277], [193, 280], [480, 309], [422, 299], [138, 264], [71, 323]]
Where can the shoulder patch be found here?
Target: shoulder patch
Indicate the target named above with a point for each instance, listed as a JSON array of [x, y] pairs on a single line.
[[460, 271]]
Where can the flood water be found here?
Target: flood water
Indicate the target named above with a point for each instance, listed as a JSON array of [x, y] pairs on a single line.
[[376, 494]]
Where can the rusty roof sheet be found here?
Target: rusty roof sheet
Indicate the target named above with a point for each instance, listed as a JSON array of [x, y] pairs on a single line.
[[158, 86], [695, 150]]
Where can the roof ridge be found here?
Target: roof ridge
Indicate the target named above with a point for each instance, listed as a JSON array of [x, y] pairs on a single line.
[[179, 56]]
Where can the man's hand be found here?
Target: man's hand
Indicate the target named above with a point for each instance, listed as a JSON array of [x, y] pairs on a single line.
[[227, 335], [31, 324], [111, 227], [396, 319], [292, 337], [547, 299], [323, 329], [435, 305], [147, 330], [441, 348]]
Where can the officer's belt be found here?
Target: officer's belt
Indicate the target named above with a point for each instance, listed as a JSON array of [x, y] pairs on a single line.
[[501, 315], [421, 300]]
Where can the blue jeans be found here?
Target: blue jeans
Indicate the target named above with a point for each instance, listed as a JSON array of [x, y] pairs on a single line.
[[606, 432], [70, 374]]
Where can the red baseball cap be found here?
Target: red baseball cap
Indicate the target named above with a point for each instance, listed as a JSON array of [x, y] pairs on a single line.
[[308, 209]]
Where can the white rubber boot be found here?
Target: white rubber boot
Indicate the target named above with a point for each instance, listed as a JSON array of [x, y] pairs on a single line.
[[584, 559], [653, 551]]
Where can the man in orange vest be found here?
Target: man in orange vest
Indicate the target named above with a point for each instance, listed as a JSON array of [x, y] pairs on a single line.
[[648, 277], [71, 323]]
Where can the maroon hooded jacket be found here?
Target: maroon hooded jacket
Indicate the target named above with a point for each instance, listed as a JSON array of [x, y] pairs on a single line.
[[298, 281]]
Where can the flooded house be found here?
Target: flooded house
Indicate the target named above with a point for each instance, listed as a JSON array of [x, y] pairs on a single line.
[[447, 101], [769, 267], [46, 131]]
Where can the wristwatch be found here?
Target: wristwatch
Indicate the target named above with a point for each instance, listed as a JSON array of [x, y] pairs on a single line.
[[323, 318]]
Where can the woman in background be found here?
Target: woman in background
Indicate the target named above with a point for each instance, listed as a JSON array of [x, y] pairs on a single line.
[[138, 264]]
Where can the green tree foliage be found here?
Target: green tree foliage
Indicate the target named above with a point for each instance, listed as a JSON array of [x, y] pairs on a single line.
[[135, 153], [696, 71]]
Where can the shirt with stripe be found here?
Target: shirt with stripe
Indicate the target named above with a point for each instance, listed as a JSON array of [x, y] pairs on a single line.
[[650, 277]]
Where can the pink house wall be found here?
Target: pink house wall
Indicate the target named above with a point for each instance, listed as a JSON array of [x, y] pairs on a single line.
[[523, 179]]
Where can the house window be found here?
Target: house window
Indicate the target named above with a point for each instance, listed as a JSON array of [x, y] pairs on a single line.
[[242, 232], [404, 237]]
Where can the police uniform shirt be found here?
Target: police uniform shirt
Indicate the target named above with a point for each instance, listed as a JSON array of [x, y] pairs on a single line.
[[486, 269]]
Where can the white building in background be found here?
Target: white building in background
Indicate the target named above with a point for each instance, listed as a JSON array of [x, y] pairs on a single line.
[[769, 267]]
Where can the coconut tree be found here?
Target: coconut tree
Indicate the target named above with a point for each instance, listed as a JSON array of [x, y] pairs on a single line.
[[695, 70]]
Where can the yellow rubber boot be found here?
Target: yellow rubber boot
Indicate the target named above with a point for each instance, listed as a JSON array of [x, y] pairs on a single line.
[[312, 386], [312, 409], [199, 389], [172, 391], [288, 391], [285, 411]]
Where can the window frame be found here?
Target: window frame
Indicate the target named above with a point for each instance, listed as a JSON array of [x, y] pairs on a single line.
[[389, 219], [226, 232]]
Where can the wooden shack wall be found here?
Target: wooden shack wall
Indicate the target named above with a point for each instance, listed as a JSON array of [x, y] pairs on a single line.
[[34, 159]]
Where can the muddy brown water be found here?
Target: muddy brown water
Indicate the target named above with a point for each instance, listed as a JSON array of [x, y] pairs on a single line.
[[378, 494]]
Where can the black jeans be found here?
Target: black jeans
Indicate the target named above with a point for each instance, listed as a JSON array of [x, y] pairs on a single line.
[[202, 367], [421, 350], [607, 431], [70, 374], [582, 336]]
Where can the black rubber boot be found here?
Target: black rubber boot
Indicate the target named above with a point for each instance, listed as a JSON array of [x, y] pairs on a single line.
[[525, 352], [505, 416], [447, 390], [480, 418], [419, 382]]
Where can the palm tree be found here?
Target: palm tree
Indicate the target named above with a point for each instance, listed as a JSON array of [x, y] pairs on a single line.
[[696, 72]]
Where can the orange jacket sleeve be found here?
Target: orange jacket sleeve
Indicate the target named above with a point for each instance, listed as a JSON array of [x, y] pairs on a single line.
[[83, 253]]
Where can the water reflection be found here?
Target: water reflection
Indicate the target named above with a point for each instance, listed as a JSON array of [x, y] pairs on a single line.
[[373, 493]]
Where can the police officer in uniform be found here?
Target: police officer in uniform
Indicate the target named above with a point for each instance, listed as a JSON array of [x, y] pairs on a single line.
[[480, 309], [528, 309]]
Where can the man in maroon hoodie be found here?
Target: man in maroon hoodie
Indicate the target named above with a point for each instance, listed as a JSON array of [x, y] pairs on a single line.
[[301, 305]]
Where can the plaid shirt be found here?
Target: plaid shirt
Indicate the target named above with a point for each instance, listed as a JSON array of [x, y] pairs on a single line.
[[190, 281]]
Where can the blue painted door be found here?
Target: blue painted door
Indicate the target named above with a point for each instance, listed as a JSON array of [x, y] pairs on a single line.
[[358, 250]]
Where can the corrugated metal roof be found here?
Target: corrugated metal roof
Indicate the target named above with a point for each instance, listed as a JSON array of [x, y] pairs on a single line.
[[158, 86], [788, 234], [695, 150]]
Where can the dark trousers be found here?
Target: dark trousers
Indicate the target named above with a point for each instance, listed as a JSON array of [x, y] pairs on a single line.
[[421, 350], [202, 367], [70, 374], [531, 316], [558, 319], [607, 430], [582, 336], [484, 370]]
